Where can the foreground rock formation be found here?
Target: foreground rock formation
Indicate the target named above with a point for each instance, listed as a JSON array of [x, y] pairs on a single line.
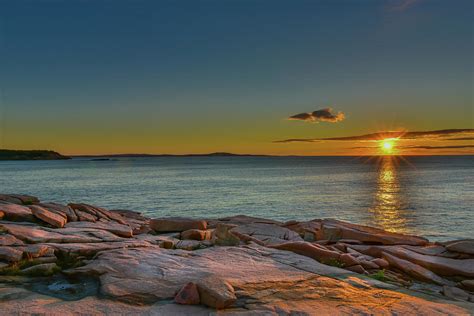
[[83, 259]]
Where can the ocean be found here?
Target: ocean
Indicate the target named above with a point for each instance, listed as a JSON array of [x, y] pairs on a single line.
[[427, 196]]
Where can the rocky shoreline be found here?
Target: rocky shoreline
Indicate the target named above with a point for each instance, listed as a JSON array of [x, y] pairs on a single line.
[[83, 259]]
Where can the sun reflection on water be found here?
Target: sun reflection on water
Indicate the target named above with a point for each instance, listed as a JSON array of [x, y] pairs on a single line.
[[387, 208]]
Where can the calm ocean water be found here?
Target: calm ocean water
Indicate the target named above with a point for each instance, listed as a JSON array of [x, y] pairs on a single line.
[[429, 196]]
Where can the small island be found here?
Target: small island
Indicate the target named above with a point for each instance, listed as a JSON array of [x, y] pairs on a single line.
[[6, 154]]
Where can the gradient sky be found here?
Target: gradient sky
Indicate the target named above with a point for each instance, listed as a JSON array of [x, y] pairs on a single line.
[[96, 77]]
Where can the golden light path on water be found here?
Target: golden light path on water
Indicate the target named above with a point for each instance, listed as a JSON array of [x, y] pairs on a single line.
[[387, 208]]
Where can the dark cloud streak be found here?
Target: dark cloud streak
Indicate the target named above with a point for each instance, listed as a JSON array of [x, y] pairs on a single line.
[[437, 134], [324, 115]]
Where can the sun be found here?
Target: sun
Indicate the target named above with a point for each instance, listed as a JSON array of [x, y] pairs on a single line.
[[387, 146]]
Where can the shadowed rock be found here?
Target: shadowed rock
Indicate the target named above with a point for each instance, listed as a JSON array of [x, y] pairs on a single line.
[[14, 212]]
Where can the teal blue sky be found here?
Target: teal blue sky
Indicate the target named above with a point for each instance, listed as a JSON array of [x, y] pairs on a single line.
[[199, 76]]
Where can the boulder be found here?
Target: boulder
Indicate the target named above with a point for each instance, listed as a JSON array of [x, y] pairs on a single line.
[[224, 237], [176, 224], [44, 269], [348, 260], [455, 293], [335, 230], [10, 240], [357, 269], [463, 246], [188, 295], [61, 209], [468, 285], [113, 227], [25, 199], [36, 251], [10, 254], [308, 250], [197, 234], [414, 270], [242, 220], [216, 292], [9, 199], [14, 212], [51, 218], [369, 264], [268, 234], [382, 263], [86, 217], [188, 245]]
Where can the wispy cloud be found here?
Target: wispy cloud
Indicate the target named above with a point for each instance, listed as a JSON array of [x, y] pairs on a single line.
[[439, 147], [324, 115], [401, 5], [436, 134]]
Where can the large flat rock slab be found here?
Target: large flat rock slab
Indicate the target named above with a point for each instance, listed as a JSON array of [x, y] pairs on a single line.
[[266, 281]]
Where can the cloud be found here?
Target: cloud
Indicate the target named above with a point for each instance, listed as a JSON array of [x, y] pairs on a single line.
[[439, 147], [324, 115], [436, 134], [401, 5]]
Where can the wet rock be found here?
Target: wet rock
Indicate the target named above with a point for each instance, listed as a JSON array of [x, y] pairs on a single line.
[[224, 236], [176, 224], [455, 293], [197, 234], [348, 260], [44, 269], [188, 295], [113, 227], [14, 212], [10, 254], [308, 250], [268, 234], [463, 246], [51, 218], [335, 230], [414, 270], [216, 292]]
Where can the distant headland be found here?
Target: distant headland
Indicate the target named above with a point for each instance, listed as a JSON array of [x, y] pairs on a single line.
[[6, 154]]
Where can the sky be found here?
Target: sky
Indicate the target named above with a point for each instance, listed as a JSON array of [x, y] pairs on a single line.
[[259, 77]]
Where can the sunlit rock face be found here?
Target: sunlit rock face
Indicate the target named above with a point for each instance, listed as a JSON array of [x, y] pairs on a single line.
[[110, 262]]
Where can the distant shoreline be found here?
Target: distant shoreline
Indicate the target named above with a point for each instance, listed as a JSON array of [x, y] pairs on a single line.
[[12, 155]]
